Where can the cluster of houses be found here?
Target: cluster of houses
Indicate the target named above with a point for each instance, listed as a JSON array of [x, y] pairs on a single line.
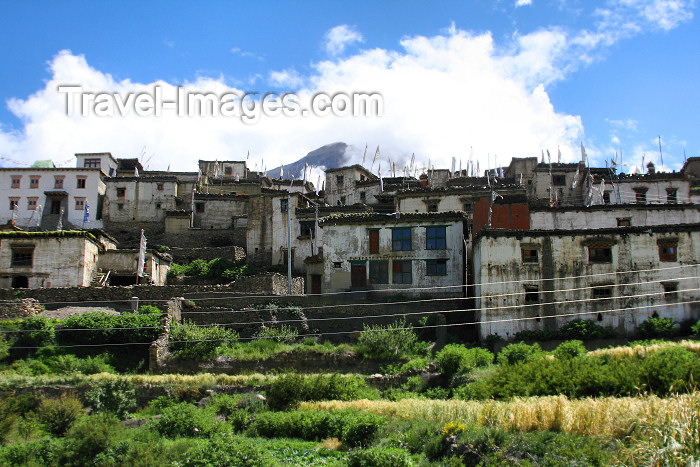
[[531, 245]]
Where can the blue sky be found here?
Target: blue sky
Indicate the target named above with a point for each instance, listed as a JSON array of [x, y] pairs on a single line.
[[482, 79]]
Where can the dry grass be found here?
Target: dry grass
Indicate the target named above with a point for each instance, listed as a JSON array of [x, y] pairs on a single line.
[[607, 417], [643, 350]]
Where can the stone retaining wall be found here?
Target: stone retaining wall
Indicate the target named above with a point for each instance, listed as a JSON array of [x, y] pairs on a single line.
[[20, 308]]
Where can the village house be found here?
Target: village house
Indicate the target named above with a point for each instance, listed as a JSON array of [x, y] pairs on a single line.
[[419, 253], [616, 276], [36, 197], [51, 259]]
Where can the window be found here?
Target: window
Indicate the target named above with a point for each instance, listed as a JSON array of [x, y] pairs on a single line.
[[284, 205], [604, 291], [668, 252], [92, 164], [532, 294], [337, 264], [402, 273], [160, 186], [435, 238], [374, 241], [16, 181], [529, 255], [58, 181], [401, 239], [199, 207], [342, 200], [640, 195], [339, 179], [14, 203], [433, 207], [120, 207], [623, 222], [81, 182], [671, 195], [121, 192], [436, 267], [599, 254], [363, 196], [228, 170], [670, 290], [79, 204], [34, 181], [559, 180], [22, 256], [378, 272], [31, 203], [606, 197], [158, 205], [306, 229]]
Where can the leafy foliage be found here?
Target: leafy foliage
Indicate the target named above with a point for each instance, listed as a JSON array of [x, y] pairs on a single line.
[[188, 340], [456, 358], [379, 457], [100, 328], [216, 268], [283, 334], [576, 329], [58, 415], [115, 396], [570, 349], [657, 327], [519, 353], [385, 342], [184, 420], [292, 388]]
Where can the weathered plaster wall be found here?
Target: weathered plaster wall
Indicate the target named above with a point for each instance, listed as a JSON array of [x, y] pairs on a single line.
[[563, 273]]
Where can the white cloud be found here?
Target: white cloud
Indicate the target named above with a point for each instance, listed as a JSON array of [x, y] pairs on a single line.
[[340, 37], [243, 53], [290, 79], [519, 3]]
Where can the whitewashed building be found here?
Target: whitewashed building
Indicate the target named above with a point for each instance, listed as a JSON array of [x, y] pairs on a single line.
[[419, 253], [541, 279], [34, 197], [51, 259]]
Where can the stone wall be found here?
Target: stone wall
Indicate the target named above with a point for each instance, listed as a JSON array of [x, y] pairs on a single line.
[[187, 255]]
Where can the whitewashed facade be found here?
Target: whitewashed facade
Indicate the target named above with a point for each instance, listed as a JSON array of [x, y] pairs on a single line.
[[417, 253], [539, 280]]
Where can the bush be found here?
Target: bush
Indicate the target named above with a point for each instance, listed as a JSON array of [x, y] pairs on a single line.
[[32, 452], [696, 328], [284, 334], [379, 457], [59, 415], [456, 358], [184, 420], [49, 360], [657, 327], [387, 342], [575, 329], [35, 332], [99, 328], [188, 340], [149, 310], [570, 349], [227, 450], [292, 388], [4, 347], [88, 438], [361, 428], [519, 353], [116, 396]]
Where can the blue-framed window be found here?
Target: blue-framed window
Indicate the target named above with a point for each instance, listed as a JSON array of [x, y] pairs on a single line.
[[435, 238], [402, 272], [401, 239], [436, 267]]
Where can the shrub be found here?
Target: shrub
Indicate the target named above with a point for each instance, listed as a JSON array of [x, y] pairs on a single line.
[[292, 388], [696, 328], [386, 342], [88, 438], [99, 328], [456, 358], [115, 396], [519, 353], [58, 415], [149, 310], [227, 450], [570, 349], [188, 340], [4, 347], [361, 428], [35, 332], [657, 327], [284, 334], [584, 330], [7, 419], [379, 457], [184, 420], [32, 452]]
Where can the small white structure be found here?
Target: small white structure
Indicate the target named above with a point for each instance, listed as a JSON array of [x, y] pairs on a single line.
[[419, 253], [541, 279]]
